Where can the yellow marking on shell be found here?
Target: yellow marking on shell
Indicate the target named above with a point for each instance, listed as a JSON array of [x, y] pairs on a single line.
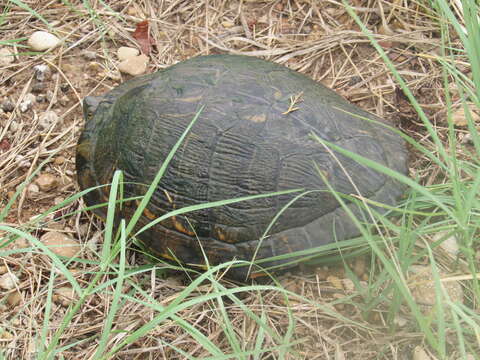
[[220, 235], [258, 118], [277, 95], [149, 214], [191, 99], [257, 275], [284, 239], [179, 227]]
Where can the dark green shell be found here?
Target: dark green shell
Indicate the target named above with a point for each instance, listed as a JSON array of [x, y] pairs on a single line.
[[244, 143]]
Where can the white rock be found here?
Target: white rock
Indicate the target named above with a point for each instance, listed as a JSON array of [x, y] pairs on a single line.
[[125, 53], [33, 191], [92, 244], [227, 24], [8, 281], [64, 295], [47, 119], [14, 126], [450, 244], [42, 40], [61, 244], [27, 102], [14, 298], [46, 181], [400, 320], [41, 71], [134, 66], [420, 354], [423, 287], [6, 57], [89, 55]]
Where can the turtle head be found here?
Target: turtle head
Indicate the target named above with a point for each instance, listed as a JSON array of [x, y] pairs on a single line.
[[90, 104]]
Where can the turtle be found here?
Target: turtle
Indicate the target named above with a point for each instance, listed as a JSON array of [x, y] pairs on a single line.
[[258, 132]]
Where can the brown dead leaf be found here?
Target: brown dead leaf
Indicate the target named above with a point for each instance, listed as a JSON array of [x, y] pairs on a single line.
[[460, 119], [142, 35], [5, 145]]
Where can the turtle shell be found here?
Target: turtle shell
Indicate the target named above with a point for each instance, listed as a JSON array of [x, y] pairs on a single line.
[[252, 137]]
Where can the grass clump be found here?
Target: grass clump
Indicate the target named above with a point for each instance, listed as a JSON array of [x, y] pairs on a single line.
[[418, 291]]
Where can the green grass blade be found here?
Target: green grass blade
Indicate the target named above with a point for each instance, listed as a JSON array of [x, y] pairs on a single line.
[[24, 6], [114, 307]]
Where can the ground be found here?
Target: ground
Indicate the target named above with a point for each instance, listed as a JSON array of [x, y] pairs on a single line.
[[317, 38]]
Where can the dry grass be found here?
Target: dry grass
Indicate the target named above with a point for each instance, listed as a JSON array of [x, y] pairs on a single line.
[[317, 38]]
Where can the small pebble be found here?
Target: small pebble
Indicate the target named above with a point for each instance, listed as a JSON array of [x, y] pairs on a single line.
[[38, 87], [450, 244], [61, 244], [6, 335], [423, 287], [132, 11], [348, 284], [459, 117], [64, 100], [83, 229], [6, 57], [15, 126], [64, 296], [322, 273], [227, 24], [8, 281], [27, 102], [41, 98], [10, 194], [94, 67], [21, 243], [59, 160], [359, 266], [400, 320], [50, 96], [14, 298], [41, 71], [335, 281], [134, 66], [89, 55], [125, 52], [8, 106], [22, 162], [93, 243], [64, 87], [47, 182], [33, 191], [467, 139], [420, 354], [42, 40]]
